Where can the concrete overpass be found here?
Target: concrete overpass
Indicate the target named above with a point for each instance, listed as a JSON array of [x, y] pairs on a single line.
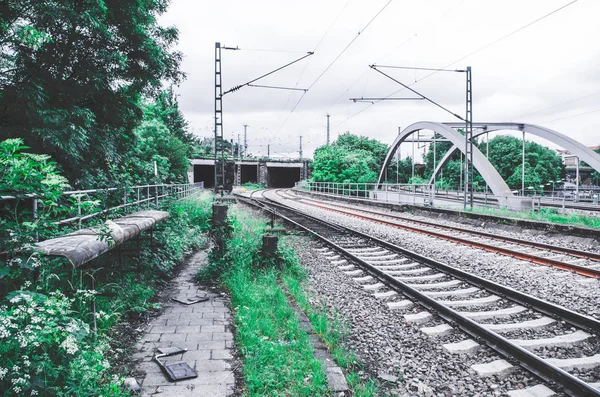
[[269, 172]]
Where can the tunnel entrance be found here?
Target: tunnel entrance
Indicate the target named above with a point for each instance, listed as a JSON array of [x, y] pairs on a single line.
[[283, 176], [249, 173], [206, 174]]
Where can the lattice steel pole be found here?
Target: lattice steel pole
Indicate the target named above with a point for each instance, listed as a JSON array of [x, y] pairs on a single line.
[[468, 194], [218, 112]]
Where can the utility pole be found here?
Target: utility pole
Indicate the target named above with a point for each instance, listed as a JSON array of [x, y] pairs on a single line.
[[300, 147], [523, 167], [269, 150], [327, 128], [239, 149], [398, 157], [218, 114], [468, 197], [245, 140]]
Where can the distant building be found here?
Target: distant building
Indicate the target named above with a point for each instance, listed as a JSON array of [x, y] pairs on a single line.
[[570, 162]]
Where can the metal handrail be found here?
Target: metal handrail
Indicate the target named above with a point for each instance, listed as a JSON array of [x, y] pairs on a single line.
[[143, 196]]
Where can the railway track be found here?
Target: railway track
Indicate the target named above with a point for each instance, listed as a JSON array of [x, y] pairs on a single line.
[[584, 263], [487, 312]]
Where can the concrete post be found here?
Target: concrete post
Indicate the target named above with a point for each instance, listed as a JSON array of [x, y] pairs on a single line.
[[219, 214], [269, 245]]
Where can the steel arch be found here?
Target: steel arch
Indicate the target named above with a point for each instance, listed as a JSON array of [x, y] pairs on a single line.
[[480, 162], [576, 148]]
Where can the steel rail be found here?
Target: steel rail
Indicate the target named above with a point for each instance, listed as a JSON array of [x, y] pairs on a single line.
[[581, 270], [552, 248], [535, 364]]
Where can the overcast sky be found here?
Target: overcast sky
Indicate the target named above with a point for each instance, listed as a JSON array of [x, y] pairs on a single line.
[[546, 74]]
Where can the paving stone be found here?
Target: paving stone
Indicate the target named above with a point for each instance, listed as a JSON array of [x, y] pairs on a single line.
[[202, 329], [336, 379], [204, 309], [213, 315], [213, 328], [212, 365], [187, 329], [202, 321], [222, 336], [199, 337], [162, 329], [211, 345], [221, 354], [172, 337]]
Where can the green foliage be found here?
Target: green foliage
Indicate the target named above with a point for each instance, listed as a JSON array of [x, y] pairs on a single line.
[[46, 346], [253, 186], [23, 173], [399, 171], [154, 142], [349, 159], [544, 215], [541, 164], [72, 75], [333, 331], [595, 177], [277, 355], [46, 351], [505, 153]]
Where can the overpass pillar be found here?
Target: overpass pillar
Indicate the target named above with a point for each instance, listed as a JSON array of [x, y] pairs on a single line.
[[263, 173]]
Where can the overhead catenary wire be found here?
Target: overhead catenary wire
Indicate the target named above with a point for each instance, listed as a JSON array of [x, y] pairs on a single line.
[[556, 105], [574, 115], [418, 93], [315, 50], [237, 87], [468, 55], [336, 59]]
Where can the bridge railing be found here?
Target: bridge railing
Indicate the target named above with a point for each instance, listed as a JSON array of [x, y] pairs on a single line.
[[77, 206], [426, 195]]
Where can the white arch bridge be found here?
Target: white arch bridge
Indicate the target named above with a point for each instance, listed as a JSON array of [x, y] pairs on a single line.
[[480, 162]]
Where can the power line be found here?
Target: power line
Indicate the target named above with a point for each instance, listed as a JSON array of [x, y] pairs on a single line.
[[315, 50], [336, 58], [350, 43], [574, 115], [557, 105], [402, 44], [468, 55]]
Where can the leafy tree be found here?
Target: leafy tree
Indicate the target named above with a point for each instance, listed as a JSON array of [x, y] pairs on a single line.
[[154, 142], [541, 164], [72, 74], [596, 175], [350, 158], [400, 171]]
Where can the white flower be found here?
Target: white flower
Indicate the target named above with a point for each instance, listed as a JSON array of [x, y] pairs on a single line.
[[3, 372], [34, 392], [70, 345]]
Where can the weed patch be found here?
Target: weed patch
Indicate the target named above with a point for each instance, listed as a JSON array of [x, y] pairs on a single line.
[[277, 355], [48, 346], [543, 215]]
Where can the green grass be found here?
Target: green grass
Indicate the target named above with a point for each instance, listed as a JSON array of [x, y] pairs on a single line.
[[333, 331], [543, 215], [253, 186], [50, 321], [277, 355]]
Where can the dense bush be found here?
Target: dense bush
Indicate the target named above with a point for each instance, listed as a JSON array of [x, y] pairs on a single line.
[[47, 343]]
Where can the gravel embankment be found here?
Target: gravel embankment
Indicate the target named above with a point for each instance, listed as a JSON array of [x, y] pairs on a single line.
[[388, 345], [575, 292]]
